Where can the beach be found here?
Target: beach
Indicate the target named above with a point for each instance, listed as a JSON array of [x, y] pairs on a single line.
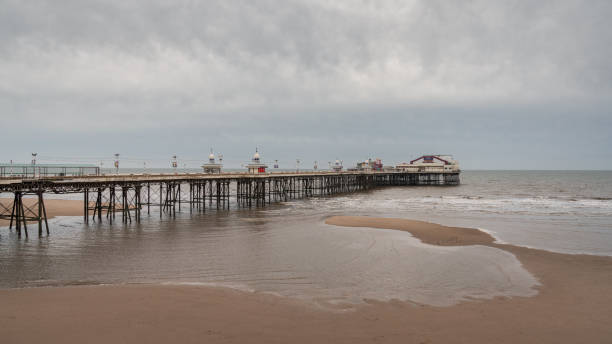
[[573, 304]]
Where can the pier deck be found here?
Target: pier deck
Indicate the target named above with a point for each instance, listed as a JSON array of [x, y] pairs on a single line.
[[127, 195]]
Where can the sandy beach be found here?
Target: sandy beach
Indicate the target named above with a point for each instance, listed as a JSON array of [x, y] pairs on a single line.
[[574, 304]]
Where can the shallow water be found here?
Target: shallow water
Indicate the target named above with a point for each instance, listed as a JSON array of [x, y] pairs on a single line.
[[297, 256], [288, 250]]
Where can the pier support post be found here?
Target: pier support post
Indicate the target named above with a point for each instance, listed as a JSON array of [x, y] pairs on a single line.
[[86, 206]]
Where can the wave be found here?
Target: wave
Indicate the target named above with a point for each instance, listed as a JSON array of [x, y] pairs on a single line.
[[551, 206]]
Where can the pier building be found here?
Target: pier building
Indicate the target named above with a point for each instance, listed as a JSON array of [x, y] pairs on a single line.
[[212, 166], [256, 166], [430, 163], [370, 165], [337, 167]]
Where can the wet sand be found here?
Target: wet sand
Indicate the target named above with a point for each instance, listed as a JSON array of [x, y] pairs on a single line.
[[574, 304], [55, 207], [427, 232]]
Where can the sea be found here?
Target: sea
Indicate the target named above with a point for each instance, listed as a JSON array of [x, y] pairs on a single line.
[[286, 248]]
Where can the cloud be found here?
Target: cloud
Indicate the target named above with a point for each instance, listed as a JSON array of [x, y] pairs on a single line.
[[108, 66]]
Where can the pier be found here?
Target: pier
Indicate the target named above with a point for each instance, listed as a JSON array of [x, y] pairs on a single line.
[[124, 197]]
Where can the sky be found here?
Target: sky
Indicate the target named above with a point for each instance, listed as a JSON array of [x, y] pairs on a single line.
[[497, 84]]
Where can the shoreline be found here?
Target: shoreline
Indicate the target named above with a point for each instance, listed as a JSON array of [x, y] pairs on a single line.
[[573, 304]]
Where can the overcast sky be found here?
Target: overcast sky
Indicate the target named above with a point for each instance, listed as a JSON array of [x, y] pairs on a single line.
[[498, 84]]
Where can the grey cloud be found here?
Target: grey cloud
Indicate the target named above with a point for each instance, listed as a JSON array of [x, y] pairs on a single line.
[[298, 73]]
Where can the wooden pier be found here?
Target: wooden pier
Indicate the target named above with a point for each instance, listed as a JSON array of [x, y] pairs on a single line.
[[125, 197]]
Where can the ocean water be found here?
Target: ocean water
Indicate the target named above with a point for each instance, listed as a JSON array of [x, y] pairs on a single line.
[[561, 211], [287, 249]]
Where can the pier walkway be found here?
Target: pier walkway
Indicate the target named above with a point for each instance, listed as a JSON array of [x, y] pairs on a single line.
[[128, 195]]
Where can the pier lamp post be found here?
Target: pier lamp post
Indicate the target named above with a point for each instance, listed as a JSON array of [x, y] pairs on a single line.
[[34, 164], [297, 165], [117, 163], [174, 163]]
